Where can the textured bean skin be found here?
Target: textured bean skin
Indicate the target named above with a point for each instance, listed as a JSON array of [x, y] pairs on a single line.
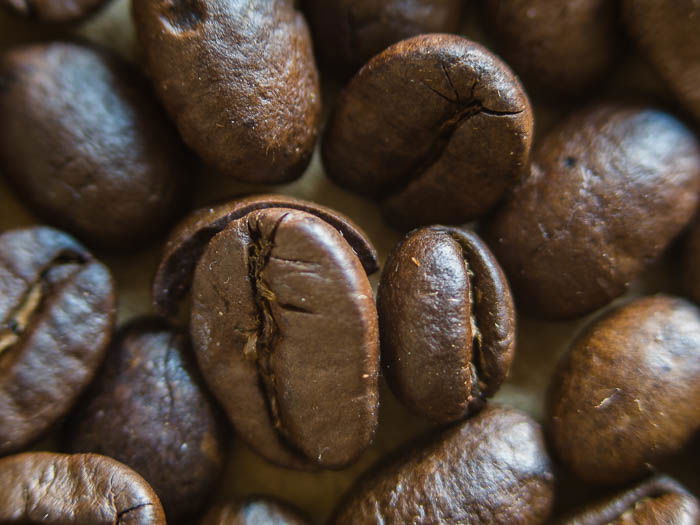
[[148, 409], [57, 309], [52, 11], [256, 510], [436, 128], [492, 468], [447, 322], [85, 144], [347, 33], [86, 489], [285, 329], [609, 189], [618, 404], [667, 34], [657, 501], [563, 48], [252, 119]]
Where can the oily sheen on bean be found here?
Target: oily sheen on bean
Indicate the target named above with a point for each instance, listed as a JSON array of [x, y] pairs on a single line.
[[258, 510], [239, 79], [57, 309]]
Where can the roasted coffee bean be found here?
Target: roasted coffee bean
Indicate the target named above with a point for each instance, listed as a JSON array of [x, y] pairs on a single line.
[[283, 323], [621, 400], [691, 263], [562, 48], [149, 410], [436, 128], [254, 511], [239, 79], [83, 141], [668, 34], [447, 322], [42, 487], [52, 11], [609, 190], [347, 33], [57, 309], [492, 468], [657, 501]]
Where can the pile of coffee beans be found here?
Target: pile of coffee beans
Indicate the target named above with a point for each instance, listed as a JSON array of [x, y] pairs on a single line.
[[350, 262]]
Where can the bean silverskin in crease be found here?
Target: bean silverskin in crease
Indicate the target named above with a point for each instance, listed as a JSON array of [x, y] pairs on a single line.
[[447, 322], [57, 310], [284, 324], [149, 409], [44, 487], [254, 119], [436, 128]]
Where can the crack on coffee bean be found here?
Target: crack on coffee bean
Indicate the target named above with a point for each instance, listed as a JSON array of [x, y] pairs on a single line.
[[261, 343], [19, 318], [121, 514], [183, 16]]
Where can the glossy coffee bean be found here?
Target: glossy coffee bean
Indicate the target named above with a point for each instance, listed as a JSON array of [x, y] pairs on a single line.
[[557, 47], [57, 309], [84, 142], [347, 33], [492, 468], [283, 323], [148, 409], [621, 400], [239, 79], [436, 128], [254, 510], [52, 11], [668, 36], [657, 501], [447, 322], [42, 487], [610, 188]]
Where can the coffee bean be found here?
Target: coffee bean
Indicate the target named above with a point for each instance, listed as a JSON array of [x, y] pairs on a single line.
[[558, 48], [347, 33], [148, 409], [668, 35], [492, 468], [254, 511], [283, 323], [239, 79], [188, 241], [83, 141], [619, 402], [436, 128], [447, 322], [52, 11], [42, 487], [609, 190], [659, 500], [57, 309], [691, 262]]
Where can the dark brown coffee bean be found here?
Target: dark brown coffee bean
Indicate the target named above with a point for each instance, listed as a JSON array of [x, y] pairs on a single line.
[[239, 79], [447, 322], [148, 409], [83, 141], [492, 468], [620, 400], [42, 487], [436, 128], [668, 34], [52, 11], [285, 329], [254, 511], [189, 240], [609, 190], [347, 33], [557, 47], [57, 309], [657, 501]]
